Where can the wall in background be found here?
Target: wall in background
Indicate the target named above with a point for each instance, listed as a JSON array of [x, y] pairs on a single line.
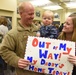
[[9, 8]]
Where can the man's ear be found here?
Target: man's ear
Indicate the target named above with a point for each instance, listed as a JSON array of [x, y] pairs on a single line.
[[20, 13]]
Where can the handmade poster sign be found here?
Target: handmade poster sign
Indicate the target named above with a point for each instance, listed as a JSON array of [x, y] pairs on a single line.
[[49, 55]]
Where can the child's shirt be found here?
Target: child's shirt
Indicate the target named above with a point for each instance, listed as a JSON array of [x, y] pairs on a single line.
[[49, 31]]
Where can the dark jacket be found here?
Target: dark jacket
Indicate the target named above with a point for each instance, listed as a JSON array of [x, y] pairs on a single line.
[[74, 71], [49, 31]]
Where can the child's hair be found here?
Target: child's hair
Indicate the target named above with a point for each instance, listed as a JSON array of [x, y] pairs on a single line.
[[50, 12]]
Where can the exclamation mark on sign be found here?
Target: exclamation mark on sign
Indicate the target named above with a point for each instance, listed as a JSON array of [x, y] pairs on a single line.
[[59, 56]]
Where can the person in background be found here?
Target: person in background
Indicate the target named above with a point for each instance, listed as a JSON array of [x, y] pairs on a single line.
[[36, 23], [13, 46], [4, 68], [9, 24], [69, 33], [60, 28], [3, 25], [3, 31], [47, 30], [57, 27]]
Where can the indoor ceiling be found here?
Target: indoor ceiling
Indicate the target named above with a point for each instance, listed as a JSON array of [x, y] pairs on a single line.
[[53, 4]]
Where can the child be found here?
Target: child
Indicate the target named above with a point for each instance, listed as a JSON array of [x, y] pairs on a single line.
[[47, 30]]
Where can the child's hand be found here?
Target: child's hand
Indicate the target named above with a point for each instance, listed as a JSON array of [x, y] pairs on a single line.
[[38, 34]]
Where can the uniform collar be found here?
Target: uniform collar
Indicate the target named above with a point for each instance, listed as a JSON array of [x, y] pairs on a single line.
[[22, 28]]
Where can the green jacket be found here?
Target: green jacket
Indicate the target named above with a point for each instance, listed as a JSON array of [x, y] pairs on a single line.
[[14, 45]]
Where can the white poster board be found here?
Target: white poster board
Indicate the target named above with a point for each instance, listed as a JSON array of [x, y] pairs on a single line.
[[49, 55]]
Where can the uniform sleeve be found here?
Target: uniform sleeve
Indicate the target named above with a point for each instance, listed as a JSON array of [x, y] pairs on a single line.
[[7, 51]]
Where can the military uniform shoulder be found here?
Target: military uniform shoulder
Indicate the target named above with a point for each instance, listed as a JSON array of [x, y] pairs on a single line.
[[12, 32], [34, 27]]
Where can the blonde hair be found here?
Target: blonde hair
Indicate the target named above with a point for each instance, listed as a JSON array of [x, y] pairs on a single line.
[[50, 12]]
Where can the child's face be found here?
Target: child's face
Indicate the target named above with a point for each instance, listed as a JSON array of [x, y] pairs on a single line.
[[47, 19]]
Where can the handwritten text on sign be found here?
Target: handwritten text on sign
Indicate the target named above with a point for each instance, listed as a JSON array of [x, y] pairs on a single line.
[[49, 55]]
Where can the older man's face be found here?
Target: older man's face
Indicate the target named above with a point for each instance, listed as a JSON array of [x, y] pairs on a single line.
[[28, 15]]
